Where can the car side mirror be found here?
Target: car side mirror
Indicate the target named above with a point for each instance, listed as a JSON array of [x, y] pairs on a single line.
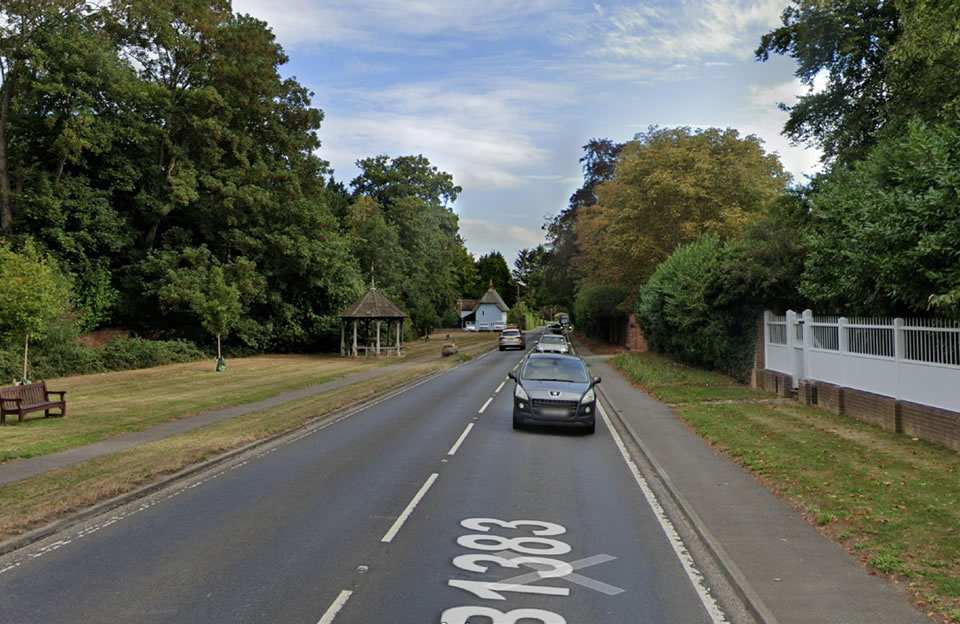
[[512, 375], [596, 380]]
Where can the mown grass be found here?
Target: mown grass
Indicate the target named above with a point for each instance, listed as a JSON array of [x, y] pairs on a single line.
[[674, 383], [35, 502], [104, 405], [892, 501]]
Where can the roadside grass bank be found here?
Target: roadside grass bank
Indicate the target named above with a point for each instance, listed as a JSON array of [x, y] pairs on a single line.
[[892, 501], [103, 405], [36, 502]]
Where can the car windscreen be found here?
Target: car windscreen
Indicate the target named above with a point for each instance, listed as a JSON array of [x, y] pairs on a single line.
[[555, 369], [510, 332], [552, 340]]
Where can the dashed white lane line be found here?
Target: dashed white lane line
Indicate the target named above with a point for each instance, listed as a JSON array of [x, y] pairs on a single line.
[[409, 510], [482, 409], [500, 387], [463, 436], [335, 607], [679, 548]]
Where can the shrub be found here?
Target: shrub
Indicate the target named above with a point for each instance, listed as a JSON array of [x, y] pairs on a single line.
[[129, 353], [597, 309]]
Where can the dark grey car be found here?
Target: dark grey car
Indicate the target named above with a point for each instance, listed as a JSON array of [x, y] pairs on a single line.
[[554, 389]]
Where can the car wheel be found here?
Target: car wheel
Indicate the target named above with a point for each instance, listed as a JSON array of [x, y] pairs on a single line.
[[591, 426], [516, 422], [501, 348]]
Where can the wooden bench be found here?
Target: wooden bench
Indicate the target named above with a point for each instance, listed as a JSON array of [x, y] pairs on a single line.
[[28, 398]]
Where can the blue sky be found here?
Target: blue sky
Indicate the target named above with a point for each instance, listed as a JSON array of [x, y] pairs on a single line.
[[503, 94]]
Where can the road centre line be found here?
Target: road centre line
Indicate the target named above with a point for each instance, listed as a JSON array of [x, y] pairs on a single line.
[[463, 436], [335, 607], [482, 409], [409, 510], [500, 387], [686, 560]]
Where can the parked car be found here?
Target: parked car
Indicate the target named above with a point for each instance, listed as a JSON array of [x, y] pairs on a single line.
[[552, 343], [499, 326], [554, 389], [470, 327], [512, 339]]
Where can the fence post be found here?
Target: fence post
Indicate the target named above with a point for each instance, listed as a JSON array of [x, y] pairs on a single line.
[[807, 343], [898, 351], [796, 368], [843, 343], [766, 337]]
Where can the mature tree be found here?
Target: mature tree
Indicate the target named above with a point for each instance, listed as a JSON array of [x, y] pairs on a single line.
[[493, 269], [599, 163], [848, 41], [671, 186], [529, 268], [388, 180], [33, 294], [885, 237]]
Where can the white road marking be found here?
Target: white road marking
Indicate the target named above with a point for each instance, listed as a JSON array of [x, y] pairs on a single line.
[[409, 510], [686, 560], [453, 449], [335, 607], [500, 387], [485, 405]]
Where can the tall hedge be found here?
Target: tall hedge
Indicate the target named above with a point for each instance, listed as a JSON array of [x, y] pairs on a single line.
[[686, 314], [598, 309]]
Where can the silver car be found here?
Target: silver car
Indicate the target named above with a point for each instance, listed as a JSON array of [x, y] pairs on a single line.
[[554, 389], [552, 343]]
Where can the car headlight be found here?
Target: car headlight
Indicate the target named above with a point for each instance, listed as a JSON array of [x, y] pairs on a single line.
[[520, 393], [589, 397], [540, 348]]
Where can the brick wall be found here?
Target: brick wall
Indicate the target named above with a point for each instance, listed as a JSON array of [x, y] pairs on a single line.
[[919, 421], [875, 409], [635, 340], [931, 424]]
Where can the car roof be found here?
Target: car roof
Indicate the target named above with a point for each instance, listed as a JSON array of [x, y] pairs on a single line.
[[554, 356]]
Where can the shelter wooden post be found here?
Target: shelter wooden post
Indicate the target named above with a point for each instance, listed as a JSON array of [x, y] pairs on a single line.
[[343, 339], [354, 338], [378, 337], [399, 332]]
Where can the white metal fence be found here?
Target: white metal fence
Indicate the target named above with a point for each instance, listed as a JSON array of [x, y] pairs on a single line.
[[916, 360]]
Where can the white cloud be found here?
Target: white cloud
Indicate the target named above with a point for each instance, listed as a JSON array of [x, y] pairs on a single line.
[[484, 137], [361, 23], [484, 236], [690, 31]]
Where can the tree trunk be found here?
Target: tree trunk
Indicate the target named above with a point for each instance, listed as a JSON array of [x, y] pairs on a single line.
[[26, 347], [6, 211], [219, 356]]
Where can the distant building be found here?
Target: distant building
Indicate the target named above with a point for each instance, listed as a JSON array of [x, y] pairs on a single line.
[[467, 309], [491, 312]]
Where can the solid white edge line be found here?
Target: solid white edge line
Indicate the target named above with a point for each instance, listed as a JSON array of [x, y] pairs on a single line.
[[485, 405], [500, 387], [686, 560], [463, 436], [335, 607], [409, 510]]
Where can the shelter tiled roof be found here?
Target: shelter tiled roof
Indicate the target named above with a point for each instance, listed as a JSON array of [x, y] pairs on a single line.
[[373, 305], [468, 304], [492, 296]]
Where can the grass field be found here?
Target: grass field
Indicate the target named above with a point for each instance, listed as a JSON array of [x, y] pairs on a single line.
[[100, 406], [891, 501]]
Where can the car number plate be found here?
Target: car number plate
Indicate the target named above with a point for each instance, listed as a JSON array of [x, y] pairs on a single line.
[[555, 411]]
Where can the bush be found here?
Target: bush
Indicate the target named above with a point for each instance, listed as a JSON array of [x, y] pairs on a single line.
[[130, 353], [687, 312], [598, 310]]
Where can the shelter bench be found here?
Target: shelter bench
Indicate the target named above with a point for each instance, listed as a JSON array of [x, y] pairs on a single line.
[[28, 398]]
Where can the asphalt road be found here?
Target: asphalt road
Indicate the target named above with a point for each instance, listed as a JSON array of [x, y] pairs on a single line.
[[426, 507]]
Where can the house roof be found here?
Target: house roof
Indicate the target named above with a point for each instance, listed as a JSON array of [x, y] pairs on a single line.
[[468, 304], [373, 305], [493, 297]]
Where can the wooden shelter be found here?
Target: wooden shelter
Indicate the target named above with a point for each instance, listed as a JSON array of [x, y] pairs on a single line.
[[369, 309]]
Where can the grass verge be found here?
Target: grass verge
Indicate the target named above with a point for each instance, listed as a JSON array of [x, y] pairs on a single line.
[[892, 501], [32, 503]]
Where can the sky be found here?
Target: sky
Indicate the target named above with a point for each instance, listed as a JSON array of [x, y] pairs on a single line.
[[504, 94]]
